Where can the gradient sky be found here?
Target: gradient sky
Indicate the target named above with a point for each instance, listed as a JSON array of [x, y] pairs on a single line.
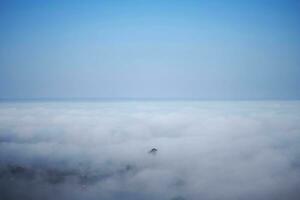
[[150, 49]]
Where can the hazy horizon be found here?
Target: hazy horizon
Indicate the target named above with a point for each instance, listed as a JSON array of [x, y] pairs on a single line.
[[100, 99], [149, 100]]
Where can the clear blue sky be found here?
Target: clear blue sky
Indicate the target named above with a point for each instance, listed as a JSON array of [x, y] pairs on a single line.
[[150, 49]]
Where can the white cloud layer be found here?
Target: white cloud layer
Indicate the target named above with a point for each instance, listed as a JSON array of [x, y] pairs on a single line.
[[99, 150]]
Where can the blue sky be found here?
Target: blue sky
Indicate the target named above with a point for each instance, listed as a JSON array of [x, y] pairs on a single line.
[[150, 49]]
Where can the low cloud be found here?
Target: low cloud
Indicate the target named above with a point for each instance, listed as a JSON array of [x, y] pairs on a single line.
[[205, 150]]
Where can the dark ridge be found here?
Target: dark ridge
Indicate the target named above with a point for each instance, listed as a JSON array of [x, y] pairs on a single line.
[[58, 176]]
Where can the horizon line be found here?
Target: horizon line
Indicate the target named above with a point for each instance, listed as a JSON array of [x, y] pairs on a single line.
[[75, 99]]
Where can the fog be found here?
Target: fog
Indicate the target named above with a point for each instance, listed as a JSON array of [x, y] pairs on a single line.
[[100, 150]]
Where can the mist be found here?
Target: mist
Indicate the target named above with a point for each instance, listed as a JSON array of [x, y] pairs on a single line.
[[100, 150]]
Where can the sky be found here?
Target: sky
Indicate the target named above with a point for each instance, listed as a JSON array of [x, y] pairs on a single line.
[[150, 49]]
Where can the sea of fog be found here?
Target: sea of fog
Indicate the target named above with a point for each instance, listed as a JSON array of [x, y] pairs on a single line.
[[230, 150]]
